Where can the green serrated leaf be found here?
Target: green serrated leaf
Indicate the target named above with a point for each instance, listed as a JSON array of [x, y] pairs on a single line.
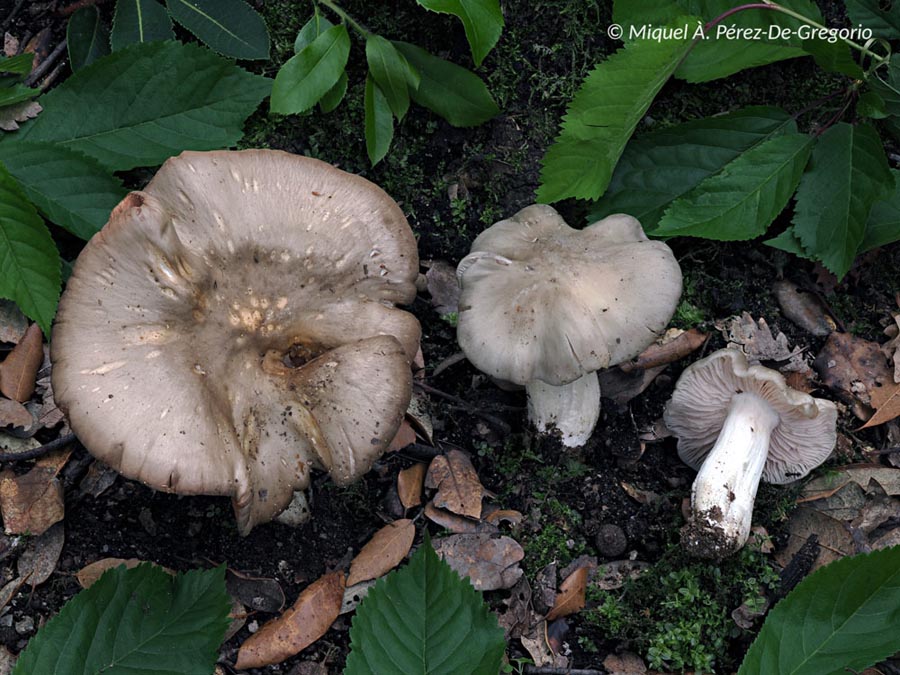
[[838, 620], [312, 29], [137, 21], [628, 13], [379, 122], [333, 97], [71, 189], [787, 241], [424, 619], [603, 115], [884, 23], [482, 20], [391, 72], [456, 94], [309, 75], [848, 172], [16, 94], [29, 263], [17, 65], [86, 37], [833, 57], [141, 621], [883, 226], [230, 27], [743, 199], [885, 85], [659, 167], [141, 105]]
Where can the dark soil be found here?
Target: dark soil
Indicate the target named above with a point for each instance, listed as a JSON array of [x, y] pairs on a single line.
[[545, 51]]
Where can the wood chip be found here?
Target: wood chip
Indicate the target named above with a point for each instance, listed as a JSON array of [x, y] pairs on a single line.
[[410, 483], [18, 371], [304, 623], [457, 484], [571, 594], [384, 551]]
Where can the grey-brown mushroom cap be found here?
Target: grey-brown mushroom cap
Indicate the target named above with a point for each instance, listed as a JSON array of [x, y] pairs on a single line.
[[234, 325], [802, 440], [543, 301]]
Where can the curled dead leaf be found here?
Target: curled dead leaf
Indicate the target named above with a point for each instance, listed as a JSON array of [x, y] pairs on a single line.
[[457, 484], [38, 560], [305, 622], [571, 594], [670, 348], [410, 483], [18, 371], [384, 551], [803, 308], [454, 523], [853, 369]]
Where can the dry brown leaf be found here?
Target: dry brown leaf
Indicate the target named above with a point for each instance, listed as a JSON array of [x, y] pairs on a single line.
[[834, 540], [665, 351], [571, 594], [260, 594], [488, 561], [756, 340], [535, 643], [89, 574], [443, 287], [853, 368], [891, 348], [418, 415], [410, 483], [621, 387], [625, 663], [803, 308], [13, 324], [11, 115], [861, 474], [454, 523], [18, 371], [10, 44], [614, 574], [886, 401], [404, 436], [13, 413], [384, 551], [457, 484], [517, 615], [39, 559], [32, 502], [304, 623], [509, 516], [10, 590]]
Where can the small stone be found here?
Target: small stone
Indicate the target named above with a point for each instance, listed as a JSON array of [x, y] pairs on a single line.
[[24, 625], [611, 541], [6, 620], [253, 626]]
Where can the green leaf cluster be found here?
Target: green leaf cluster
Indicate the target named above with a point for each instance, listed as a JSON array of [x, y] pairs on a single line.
[[135, 107], [839, 619], [398, 72], [13, 90], [424, 618], [141, 621], [729, 177]]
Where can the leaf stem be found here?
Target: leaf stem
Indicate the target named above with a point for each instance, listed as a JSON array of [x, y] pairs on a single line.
[[349, 20]]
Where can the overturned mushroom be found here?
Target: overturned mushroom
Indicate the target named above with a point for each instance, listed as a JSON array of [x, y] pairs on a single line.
[[738, 423], [545, 305], [233, 326]]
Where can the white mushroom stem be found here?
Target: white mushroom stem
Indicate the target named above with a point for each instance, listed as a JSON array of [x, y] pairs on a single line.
[[573, 409], [725, 488]]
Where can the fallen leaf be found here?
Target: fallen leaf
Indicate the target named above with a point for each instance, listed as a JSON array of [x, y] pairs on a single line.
[[886, 401], [18, 371], [11, 115], [672, 347], [304, 623], [621, 387], [544, 591], [410, 483], [861, 474], [535, 643], [89, 574], [7, 661], [443, 286], [517, 615], [891, 348], [353, 595], [457, 484], [38, 560], [508, 516], [10, 44], [260, 594], [404, 436], [834, 540], [614, 574], [888, 539], [384, 551], [640, 495], [454, 523], [853, 368], [625, 663], [13, 413], [803, 308], [571, 594], [32, 502], [756, 341], [488, 561], [98, 479], [13, 324], [556, 635], [238, 616], [417, 414]]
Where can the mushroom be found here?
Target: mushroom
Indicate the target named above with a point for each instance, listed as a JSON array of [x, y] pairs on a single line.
[[234, 325], [545, 306], [736, 423]]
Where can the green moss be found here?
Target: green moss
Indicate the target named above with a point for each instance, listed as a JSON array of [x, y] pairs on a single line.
[[678, 612], [557, 537]]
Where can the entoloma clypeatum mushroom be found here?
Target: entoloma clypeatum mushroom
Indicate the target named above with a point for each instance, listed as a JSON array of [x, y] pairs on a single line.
[[234, 325], [545, 306], [736, 423]]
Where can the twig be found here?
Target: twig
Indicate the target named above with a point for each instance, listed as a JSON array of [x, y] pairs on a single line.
[[68, 10], [12, 14], [421, 452], [46, 64], [487, 417], [60, 442], [798, 567], [451, 360]]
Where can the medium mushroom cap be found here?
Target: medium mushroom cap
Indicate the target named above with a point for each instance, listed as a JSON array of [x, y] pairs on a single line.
[[801, 441], [233, 325], [543, 301]]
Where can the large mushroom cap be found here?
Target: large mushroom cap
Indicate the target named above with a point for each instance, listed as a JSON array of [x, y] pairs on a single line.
[[234, 324], [543, 301], [802, 440]]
